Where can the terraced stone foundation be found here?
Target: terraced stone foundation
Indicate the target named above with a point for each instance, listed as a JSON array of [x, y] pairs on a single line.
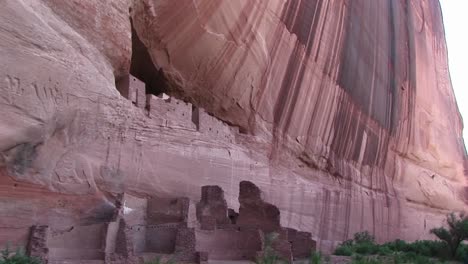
[[144, 229]]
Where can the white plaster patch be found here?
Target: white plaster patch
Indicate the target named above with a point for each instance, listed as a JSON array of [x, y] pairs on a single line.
[[127, 210]]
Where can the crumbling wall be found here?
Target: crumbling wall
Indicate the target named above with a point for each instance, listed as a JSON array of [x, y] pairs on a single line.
[[254, 212], [161, 238], [214, 127], [243, 235], [143, 228], [212, 209], [185, 249], [37, 246], [132, 89], [70, 243], [155, 226], [171, 112], [167, 210], [229, 244], [301, 243]]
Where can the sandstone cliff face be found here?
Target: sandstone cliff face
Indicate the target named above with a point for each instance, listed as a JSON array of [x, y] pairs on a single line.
[[347, 116]]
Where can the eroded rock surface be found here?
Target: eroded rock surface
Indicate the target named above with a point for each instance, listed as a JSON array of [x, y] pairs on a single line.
[[341, 112]]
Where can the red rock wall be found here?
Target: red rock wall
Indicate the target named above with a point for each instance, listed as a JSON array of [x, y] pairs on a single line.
[[348, 116]]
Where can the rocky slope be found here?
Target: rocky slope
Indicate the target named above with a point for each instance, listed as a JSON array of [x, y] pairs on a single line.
[[345, 109]]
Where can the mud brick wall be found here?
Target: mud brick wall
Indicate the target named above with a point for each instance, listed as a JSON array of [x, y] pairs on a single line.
[[212, 126], [212, 209], [254, 212], [77, 242], [167, 210], [37, 246], [170, 112], [228, 244], [185, 245], [132, 89], [161, 239]]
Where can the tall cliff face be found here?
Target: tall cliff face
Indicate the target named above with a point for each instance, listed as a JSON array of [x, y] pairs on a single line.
[[347, 114]]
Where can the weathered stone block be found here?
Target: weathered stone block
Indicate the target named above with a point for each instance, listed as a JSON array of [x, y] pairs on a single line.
[[212, 208], [207, 222], [90, 236], [37, 246], [202, 257], [77, 243], [170, 112], [125, 89], [185, 245], [133, 210], [111, 237], [212, 126], [161, 239], [132, 89], [229, 244], [167, 210], [283, 250], [254, 212], [140, 95], [302, 245]]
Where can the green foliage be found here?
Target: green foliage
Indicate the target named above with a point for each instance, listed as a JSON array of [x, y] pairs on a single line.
[[364, 237], [462, 253], [366, 248], [365, 260], [457, 232], [365, 251], [363, 243], [426, 248], [348, 242], [413, 258], [315, 258], [384, 250], [398, 245], [18, 257], [159, 261], [269, 256], [395, 258], [268, 259], [345, 250]]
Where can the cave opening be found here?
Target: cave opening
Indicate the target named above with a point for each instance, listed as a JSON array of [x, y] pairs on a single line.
[[143, 69]]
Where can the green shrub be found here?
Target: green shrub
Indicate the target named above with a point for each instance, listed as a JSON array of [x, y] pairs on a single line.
[[269, 256], [456, 232], [366, 248], [159, 261], [348, 242], [315, 258], [365, 260], [344, 251], [426, 248], [384, 250], [19, 257], [429, 248], [397, 245], [364, 237], [411, 258], [399, 251], [268, 259], [462, 253]]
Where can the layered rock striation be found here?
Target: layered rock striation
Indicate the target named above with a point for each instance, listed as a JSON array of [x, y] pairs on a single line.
[[341, 112]]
